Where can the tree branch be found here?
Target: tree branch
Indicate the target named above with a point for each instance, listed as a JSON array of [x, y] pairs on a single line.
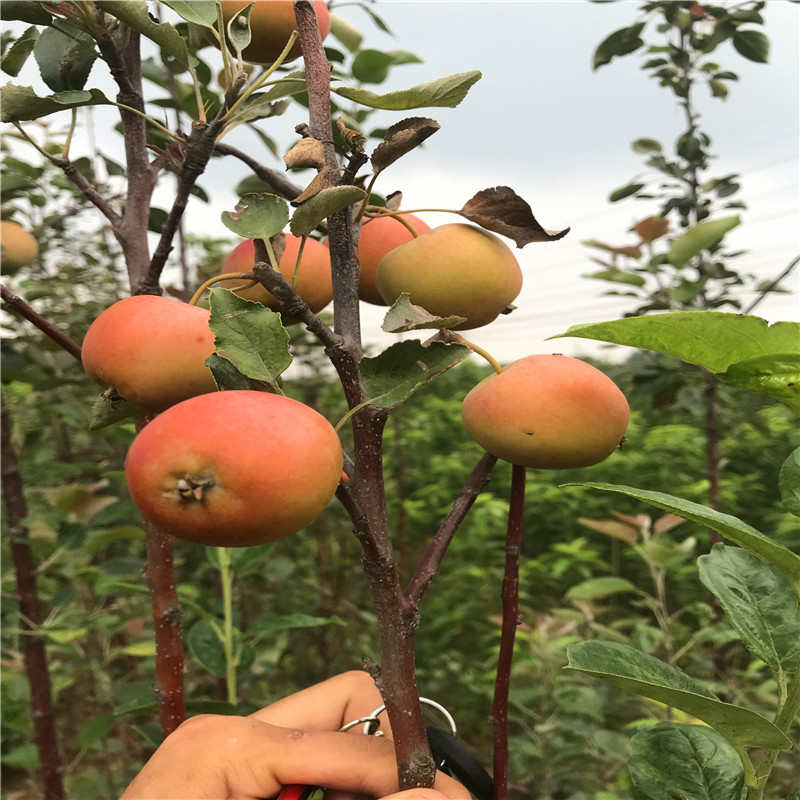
[[511, 619], [35, 655], [198, 151], [342, 230], [120, 50], [429, 565], [58, 336], [282, 185], [772, 284]]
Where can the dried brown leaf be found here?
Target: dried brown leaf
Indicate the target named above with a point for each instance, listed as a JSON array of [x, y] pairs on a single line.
[[629, 250], [401, 138], [308, 152], [355, 139], [321, 181], [503, 211], [394, 201], [651, 228]]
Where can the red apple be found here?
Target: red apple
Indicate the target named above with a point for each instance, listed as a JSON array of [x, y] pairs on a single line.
[[234, 468]]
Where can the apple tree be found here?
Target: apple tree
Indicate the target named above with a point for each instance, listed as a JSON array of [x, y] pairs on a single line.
[[225, 352]]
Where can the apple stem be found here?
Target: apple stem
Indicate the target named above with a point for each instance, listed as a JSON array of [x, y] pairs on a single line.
[[363, 208], [457, 337], [398, 215], [225, 277]]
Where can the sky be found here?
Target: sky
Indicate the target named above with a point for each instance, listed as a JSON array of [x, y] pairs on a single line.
[[541, 122]]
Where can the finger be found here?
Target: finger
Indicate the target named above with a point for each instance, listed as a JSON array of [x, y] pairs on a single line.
[[418, 794], [327, 705]]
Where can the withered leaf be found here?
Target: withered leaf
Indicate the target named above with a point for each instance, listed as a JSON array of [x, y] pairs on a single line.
[[308, 152], [503, 211], [629, 250], [405, 316], [401, 138], [394, 201], [651, 228], [355, 139], [321, 181]]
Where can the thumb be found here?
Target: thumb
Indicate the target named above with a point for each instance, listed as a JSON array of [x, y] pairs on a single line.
[[417, 794]]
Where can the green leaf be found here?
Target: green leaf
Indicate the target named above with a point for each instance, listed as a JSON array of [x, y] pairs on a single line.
[[597, 588], [206, 647], [645, 145], [110, 408], [135, 14], [718, 89], [713, 339], [140, 649], [250, 336], [15, 57], [348, 35], [225, 375], [24, 11], [293, 83], [757, 601], [698, 238], [618, 43], [258, 106], [327, 201], [405, 316], [95, 729], [443, 92], [624, 191], [238, 30], [775, 374], [20, 103], [730, 527], [642, 674], [789, 483], [66, 635], [373, 66], [753, 45], [65, 56], [257, 216], [198, 12], [392, 377], [617, 276], [673, 761], [270, 625]]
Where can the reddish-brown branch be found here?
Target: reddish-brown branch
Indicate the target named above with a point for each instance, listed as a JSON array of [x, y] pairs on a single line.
[[430, 562], [34, 653], [167, 623], [120, 50], [511, 619], [342, 230], [397, 619], [59, 337]]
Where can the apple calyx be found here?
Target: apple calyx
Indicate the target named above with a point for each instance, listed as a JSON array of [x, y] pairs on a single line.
[[192, 489]]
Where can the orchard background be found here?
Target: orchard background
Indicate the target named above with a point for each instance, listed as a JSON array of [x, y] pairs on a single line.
[[595, 565]]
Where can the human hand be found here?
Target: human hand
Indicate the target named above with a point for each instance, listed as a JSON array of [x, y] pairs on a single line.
[[211, 757]]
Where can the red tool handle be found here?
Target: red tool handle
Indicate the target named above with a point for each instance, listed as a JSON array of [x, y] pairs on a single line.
[[295, 791]]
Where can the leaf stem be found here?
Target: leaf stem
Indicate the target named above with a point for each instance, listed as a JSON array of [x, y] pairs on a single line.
[[211, 281], [260, 82], [226, 578], [73, 121]]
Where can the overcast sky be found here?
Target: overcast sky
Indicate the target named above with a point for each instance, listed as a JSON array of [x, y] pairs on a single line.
[[541, 122]]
